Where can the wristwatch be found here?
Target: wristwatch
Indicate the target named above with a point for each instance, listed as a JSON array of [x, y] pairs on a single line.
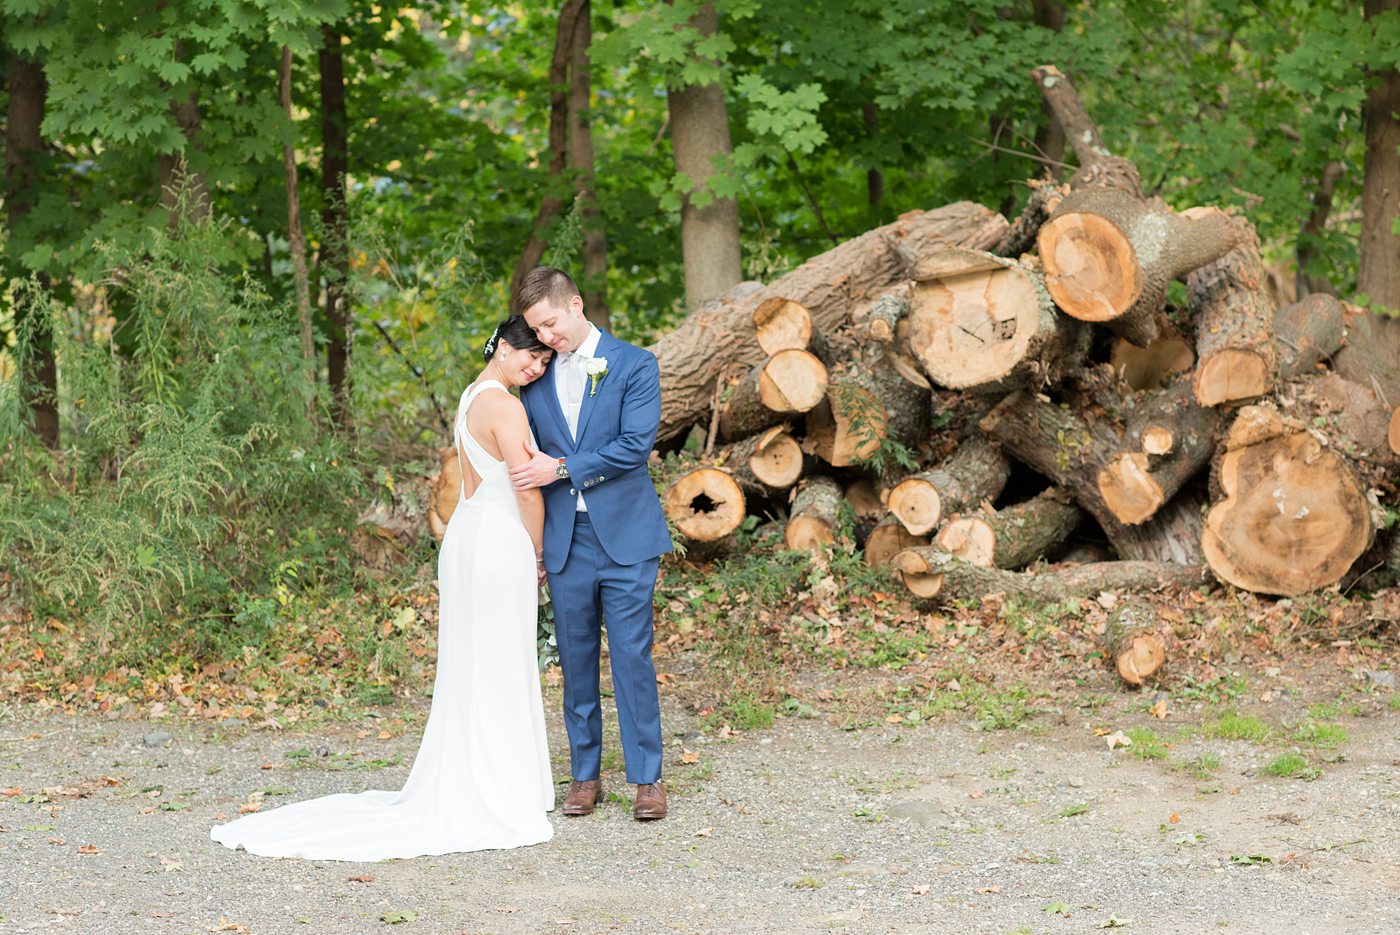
[[562, 471]]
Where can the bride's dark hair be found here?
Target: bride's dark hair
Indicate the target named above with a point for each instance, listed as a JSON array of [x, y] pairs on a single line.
[[514, 332]]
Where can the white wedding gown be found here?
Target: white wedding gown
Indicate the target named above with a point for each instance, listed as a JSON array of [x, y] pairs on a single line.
[[481, 779]]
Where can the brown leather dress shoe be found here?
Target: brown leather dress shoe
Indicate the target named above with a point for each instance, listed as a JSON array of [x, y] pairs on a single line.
[[583, 795], [650, 803]]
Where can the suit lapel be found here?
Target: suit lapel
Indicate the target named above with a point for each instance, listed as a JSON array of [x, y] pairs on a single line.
[[605, 349]]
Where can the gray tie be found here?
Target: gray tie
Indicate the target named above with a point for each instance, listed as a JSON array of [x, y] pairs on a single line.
[[574, 378]]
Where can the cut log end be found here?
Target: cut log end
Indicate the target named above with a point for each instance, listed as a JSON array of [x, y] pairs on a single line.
[[777, 459], [705, 504], [888, 539], [1135, 641], [782, 324], [792, 381], [1393, 435], [1141, 658], [805, 533], [1158, 440], [916, 503], [916, 574], [1129, 490], [1147, 368], [1232, 375], [1091, 269], [970, 539]]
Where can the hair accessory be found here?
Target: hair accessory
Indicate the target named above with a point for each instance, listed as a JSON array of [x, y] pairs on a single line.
[[491, 343]]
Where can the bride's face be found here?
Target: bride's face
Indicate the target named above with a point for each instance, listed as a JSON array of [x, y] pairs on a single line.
[[522, 367]]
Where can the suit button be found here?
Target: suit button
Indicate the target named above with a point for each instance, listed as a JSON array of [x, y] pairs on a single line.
[[573, 492]]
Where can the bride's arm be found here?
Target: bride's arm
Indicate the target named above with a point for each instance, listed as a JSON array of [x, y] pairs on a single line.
[[512, 433]]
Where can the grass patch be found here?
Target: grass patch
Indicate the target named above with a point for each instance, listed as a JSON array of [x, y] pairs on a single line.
[[1235, 726], [1320, 734], [1394, 702], [1146, 744], [1202, 766], [1292, 766], [747, 711], [1324, 711], [1069, 811]]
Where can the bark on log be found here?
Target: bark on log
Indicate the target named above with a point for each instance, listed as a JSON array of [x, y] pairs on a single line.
[[884, 316], [1293, 515], [789, 383], [888, 539], [931, 572], [695, 353], [976, 472], [1308, 332], [1013, 537], [983, 323], [765, 463], [1109, 256], [864, 498], [705, 504], [812, 522], [1071, 449], [1352, 418], [1157, 364], [1135, 641], [864, 407], [1236, 355], [1044, 197]]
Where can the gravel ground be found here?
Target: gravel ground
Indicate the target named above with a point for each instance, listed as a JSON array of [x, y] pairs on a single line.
[[801, 827]]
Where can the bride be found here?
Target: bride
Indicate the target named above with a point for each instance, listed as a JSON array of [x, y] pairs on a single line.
[[481, 779]]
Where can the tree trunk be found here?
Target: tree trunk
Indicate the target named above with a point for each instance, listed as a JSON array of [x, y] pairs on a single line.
[[1109, 256], [764, 464], [1135, 641], [335, 222], [888, 539], [1292, 517], [712, 338], [884, 316], [986, 324], [295, 238], [1049, 134], [705, 504], [1013, 537], [24, 157], [974, 474], [1307, 282], [552, 202], [1379, 277], [445, 491], [1044, 198], [699, 138], [595, 239], [789, 383], [812, 523], [931, 572], [1236, 359], [874, 178], [184, 192]]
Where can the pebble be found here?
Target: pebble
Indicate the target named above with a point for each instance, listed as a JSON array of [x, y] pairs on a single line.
[[157, 738], [1381, 679], [1076, 783]]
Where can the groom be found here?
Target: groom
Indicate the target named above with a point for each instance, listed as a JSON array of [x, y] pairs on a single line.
[[595, 416]]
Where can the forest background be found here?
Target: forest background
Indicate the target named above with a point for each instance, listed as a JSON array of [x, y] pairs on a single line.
[[251, 251]]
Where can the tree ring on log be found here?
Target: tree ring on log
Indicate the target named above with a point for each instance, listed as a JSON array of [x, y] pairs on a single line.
[[1129, 489], [916, 501], [792, 381], [970, 539], [1158, 440], [1232, 375], [782, 324], [970, 329], [1393, 433], [916, 573], [705, 504], [1091, 267], [777, 459]]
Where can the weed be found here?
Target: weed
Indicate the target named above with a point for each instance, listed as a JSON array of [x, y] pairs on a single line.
[[1146, 744], [746, 711], [1320, 734], [1235, 726], [1201, 766], [1292, 765], [1069, 811]]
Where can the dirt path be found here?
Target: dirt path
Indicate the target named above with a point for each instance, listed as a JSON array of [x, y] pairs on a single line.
[[801, 827]]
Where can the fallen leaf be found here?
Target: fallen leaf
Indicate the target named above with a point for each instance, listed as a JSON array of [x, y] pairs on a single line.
[[361, 878], [1058, 908], [975, 794], [895, 719], [704, 832], [226, 926], [507, 909], [394, 918], [1160, 708], [983, 890], [1118, 739], [109, 781], [920, 890], [385, 735], [690, 756], [267, 766], [88, 849], [15, 791], [361, 734], [1175, 818], [58, 841], [1113, 922]]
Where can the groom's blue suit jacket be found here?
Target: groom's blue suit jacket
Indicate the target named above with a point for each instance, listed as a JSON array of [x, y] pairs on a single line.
[[608, 461]]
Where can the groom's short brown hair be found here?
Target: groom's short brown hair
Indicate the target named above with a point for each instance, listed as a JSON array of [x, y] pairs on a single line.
[[544, 282]]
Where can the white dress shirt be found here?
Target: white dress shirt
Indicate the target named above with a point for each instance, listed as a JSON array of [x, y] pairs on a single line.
[[570, 381]]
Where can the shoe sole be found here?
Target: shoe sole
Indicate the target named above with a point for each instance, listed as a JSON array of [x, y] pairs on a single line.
[[577, 811]]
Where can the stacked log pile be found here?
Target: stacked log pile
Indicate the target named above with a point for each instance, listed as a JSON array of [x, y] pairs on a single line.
[[984, 397], [975, 399]]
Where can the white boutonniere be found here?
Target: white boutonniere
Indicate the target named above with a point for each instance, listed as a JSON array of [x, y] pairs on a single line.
[[596, 368]]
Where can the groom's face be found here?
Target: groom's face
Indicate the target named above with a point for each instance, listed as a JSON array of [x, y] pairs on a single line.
[[561, 327]]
